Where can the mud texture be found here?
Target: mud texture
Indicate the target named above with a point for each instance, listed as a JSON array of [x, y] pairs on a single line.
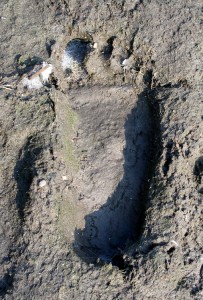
[[101, 169]]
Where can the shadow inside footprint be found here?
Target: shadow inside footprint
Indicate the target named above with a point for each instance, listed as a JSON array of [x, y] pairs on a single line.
[[24, 173], [119, 221]]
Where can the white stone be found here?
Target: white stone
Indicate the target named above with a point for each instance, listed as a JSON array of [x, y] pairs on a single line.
[[47, 72], [37, 82], [42, 183], [175, 243], [34, 83], [125, 61], [64, 177]]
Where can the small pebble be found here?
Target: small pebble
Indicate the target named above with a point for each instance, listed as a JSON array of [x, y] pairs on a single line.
[[42, 183], [64, 177], [175, 243]]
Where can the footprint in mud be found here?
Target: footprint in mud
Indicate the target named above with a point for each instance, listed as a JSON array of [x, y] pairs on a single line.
[[113, 143]]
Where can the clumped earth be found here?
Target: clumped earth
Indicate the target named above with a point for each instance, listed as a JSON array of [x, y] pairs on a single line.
[[101, 168]]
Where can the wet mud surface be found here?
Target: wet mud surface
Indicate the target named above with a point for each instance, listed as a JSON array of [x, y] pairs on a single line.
[[101, 157]]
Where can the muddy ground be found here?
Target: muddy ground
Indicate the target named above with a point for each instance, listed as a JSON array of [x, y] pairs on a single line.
[[101, 168]]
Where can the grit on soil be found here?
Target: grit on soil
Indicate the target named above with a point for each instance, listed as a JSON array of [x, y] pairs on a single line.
[[101, 168]]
